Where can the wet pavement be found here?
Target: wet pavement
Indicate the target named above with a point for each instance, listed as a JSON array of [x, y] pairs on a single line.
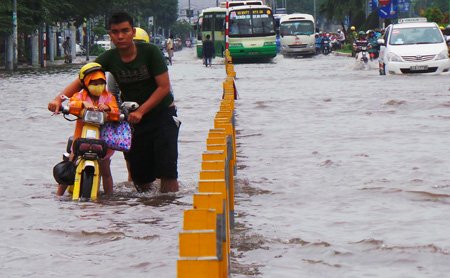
[[341, 173]]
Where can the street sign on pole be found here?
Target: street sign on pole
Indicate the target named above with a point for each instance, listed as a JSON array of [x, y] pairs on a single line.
[[150, 21], [389, 11]]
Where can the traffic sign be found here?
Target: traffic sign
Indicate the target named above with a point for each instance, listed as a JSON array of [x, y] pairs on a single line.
[[384, 2], [389, 11]]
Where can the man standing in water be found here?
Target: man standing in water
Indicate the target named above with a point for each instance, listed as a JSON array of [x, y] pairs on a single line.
[[142, 76], [208, 51]]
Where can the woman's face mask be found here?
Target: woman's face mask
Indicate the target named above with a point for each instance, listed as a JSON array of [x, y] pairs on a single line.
[[96, 90]]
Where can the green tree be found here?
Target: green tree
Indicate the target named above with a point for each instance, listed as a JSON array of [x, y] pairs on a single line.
[[181, 29], [337, 10], [434, 14]]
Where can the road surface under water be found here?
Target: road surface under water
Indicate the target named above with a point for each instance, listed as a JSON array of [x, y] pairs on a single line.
[[341, 173]]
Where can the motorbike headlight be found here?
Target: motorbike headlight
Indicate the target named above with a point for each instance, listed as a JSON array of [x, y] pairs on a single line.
[[394, 57], [443, 55], [94, 117]]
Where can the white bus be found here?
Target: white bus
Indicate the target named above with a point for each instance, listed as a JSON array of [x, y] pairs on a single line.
[[297, 34]]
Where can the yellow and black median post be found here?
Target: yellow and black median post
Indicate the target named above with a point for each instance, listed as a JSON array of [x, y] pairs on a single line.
[[205, 240]]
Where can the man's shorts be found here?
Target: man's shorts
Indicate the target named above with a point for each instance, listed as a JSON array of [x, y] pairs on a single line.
[[154, 148]]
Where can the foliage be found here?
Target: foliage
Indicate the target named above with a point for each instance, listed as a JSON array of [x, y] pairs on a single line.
[[338, 9], [434, 14], [181, 29], [32, 13], [305, 6], [96, 50]]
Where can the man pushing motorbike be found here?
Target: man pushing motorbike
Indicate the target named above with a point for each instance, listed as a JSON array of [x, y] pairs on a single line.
[[142, 76]]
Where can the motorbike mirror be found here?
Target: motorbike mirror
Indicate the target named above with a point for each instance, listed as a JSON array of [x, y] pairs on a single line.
[[129, 105], [65, 109]]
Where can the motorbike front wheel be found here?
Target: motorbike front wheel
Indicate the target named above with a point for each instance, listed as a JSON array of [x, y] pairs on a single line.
[[87, 180]]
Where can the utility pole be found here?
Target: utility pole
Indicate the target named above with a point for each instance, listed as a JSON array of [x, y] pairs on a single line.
[[314, 10], [189, 15], [11, 61], [15, 52]]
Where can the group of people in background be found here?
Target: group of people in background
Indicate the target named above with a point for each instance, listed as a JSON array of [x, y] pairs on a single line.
[[336, 40]]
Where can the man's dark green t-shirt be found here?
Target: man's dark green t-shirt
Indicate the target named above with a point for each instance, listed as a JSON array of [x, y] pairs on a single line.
[[136, 79]]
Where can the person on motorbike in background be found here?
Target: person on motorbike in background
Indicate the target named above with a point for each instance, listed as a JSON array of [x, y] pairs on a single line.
[[93, 96], [360, 42], [341, 38], [318, 43], [374, 48], [326, 42]]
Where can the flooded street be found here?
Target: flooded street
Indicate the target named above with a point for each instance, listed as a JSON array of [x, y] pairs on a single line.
[[341, 173]]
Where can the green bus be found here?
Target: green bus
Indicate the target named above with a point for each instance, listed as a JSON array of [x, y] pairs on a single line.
[[252, 32], [211, 22]]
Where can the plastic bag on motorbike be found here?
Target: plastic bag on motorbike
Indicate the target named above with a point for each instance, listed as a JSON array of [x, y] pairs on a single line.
[[117, 135], [64, 172]]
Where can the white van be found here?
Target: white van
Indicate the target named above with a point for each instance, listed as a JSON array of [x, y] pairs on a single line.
[[297, 35], [413, 46]]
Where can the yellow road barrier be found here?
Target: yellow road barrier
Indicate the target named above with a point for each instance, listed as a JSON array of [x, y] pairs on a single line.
[[204, 243]]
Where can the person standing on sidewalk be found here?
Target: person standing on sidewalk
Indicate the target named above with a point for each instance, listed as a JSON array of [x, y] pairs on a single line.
[[67, 46], [142, 76]]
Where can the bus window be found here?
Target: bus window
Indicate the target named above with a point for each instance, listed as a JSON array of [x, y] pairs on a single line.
[[208, 21], [219, 22]]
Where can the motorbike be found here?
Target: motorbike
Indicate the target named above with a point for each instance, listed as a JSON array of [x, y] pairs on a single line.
[[326, 47], [362, 54], [165, 55], [89, 148]]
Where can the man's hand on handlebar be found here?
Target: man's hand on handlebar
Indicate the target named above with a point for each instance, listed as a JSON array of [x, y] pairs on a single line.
[[135, 117]]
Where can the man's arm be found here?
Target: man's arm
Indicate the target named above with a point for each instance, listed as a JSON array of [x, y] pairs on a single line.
[[68, 91], [158, 95]]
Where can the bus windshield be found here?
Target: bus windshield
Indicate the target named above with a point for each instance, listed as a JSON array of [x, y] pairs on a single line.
[[251, 22], [301, 27]]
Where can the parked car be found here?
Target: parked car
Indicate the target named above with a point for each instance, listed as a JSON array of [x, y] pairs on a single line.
[[413, 46], [80, 50], [105, 44]]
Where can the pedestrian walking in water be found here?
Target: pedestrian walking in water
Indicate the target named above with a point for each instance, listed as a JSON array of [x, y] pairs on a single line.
[[208, 51]]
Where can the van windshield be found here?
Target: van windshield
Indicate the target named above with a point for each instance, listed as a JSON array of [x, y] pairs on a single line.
[[416, 35], [300, 27]]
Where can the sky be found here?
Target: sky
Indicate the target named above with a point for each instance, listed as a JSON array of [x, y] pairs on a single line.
[[196, 5]]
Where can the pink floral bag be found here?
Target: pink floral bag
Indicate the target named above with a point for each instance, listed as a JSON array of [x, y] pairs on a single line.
[[117, 135]]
